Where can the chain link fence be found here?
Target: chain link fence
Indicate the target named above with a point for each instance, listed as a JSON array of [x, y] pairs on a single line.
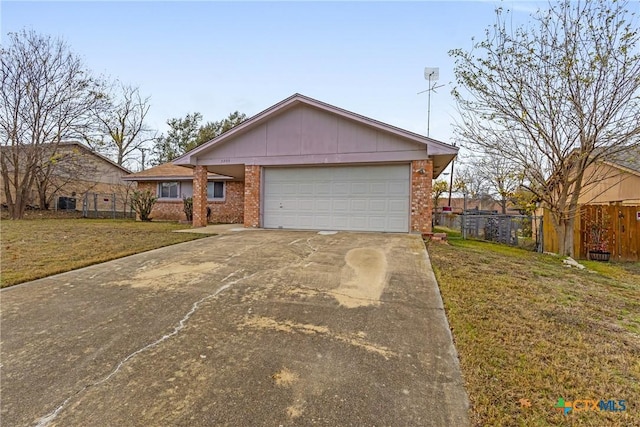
[[516, 230], [97, 205]]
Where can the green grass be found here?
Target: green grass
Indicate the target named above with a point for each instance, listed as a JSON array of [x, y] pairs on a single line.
[[35, 248], [526, 327]]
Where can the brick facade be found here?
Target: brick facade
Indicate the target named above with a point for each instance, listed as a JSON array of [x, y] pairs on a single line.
[[228, 211], [252, 196], [200, 196], [242, 200], [231, 210], [421, 201]]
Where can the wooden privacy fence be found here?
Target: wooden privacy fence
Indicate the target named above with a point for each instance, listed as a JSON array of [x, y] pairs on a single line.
[[621, 230]]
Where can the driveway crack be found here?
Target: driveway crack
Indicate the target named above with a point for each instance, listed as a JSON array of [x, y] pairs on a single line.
[[47, 419]]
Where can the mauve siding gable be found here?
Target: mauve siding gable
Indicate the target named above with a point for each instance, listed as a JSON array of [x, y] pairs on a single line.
[[319, 132], [284, 135], [305, 132]]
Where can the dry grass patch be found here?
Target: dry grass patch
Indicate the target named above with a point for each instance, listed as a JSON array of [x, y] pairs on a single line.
[[526, 327], [35, 248]]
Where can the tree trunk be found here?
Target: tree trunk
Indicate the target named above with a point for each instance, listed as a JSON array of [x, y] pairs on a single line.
[[563, 226], [503, 206], [17, 208], [42, 195]]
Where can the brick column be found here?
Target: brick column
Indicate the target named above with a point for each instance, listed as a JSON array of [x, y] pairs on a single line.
[[252, 196], [421, 201], [200, 196]]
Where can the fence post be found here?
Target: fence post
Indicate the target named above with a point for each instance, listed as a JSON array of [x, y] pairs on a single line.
[[95, 204], [464, 216], [113, 205], [541, 235]]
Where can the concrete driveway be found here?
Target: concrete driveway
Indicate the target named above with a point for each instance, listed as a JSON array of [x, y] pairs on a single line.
[[273, 328]]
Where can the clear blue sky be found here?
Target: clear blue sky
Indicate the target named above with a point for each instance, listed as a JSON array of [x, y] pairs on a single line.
[[217, 57]]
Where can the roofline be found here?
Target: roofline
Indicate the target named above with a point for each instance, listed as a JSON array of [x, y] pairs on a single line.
[[318, 104], [621, 167], [173, 178]]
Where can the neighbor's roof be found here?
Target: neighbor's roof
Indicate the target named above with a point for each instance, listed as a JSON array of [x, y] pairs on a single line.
[[628, 159], [70, 144], [168, 171]]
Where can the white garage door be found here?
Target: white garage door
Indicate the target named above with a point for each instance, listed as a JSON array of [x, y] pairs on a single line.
[[359, 198]]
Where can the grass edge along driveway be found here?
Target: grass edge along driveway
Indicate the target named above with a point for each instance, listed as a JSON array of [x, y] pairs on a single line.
[[36, 248], [530, 331]]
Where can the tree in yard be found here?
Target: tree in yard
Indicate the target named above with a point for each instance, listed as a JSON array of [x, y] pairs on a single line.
[[46, 94], [214, 129], [437, 190], [180, 138], [500, 176], [187, 133], [121, 129], [554, 97], [471, 184]]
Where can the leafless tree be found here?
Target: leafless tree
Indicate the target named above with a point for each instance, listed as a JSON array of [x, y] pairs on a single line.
[[500, 176], [121, 129], [46, 93], [554, 97], [470, 183]]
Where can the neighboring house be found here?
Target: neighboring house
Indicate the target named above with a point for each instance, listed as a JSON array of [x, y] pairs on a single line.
[[305, 164], [613, 181], [611, 199], [171, 183], [73, 172]]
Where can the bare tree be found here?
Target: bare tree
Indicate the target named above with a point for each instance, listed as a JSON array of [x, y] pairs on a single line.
[[121, 128], [500, 176], [554, 97], [471, 184], [46, 93]]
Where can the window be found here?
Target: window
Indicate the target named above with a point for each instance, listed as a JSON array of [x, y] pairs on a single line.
[[215, 190], [168, 190]]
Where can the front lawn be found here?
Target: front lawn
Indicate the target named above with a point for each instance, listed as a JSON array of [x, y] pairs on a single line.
[[35, 248], [530, 331]]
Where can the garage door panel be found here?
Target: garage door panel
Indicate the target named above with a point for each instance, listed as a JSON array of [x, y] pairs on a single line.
[[358, 188], [378, 205], [340, 206], [395, 206], [377, 222], [339, 189], [372, 198], [397, 188], [359, 206]]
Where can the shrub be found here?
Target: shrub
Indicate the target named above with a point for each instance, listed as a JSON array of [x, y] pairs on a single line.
[[142, 202], [188, 207]]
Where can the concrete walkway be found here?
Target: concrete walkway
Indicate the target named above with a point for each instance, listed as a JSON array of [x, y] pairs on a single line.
[[250, 328]]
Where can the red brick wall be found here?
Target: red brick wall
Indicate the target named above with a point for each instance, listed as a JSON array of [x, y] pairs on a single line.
[[252, 196], [200, 196], [230, 211], [421, 201]]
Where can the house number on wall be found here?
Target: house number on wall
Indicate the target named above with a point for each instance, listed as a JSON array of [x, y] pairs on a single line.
[[225, 161]]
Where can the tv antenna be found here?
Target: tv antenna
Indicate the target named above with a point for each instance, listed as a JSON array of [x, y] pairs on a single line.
[[431, 75]]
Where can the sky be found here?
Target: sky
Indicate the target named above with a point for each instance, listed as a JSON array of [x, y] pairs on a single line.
[[219, 57]]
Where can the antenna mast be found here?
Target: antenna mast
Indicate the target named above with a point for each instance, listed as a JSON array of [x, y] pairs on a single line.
[[431, 75]]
